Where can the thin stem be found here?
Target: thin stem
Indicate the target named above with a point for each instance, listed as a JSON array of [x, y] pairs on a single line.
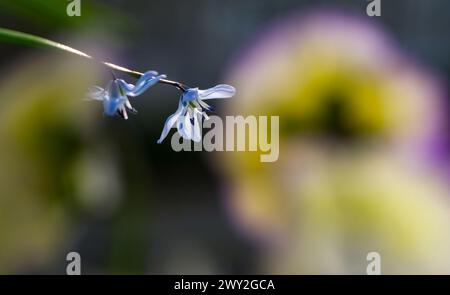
[[178, 85], [35, 41]]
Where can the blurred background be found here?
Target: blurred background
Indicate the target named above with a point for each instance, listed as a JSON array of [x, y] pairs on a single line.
[[364, 139]]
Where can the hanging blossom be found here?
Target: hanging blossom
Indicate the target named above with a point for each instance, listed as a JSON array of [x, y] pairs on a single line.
[[190, 111], [191, 107], [115, 95]]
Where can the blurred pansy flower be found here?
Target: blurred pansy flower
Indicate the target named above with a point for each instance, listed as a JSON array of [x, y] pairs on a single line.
[[115, 96], [352, 106], [190, 111]]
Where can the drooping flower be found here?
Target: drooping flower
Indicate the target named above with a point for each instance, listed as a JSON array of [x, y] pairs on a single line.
[[115, 95], [190, 111]]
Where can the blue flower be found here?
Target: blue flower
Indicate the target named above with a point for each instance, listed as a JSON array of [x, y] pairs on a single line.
[[115, 96], [190, 111]]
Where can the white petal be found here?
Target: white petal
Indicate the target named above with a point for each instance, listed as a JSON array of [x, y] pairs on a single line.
[[97, 93], [170, 122], [124, 112], [204, 105], [128, 104], [201, 114], [184, 126], [219, 91], [197, 133]]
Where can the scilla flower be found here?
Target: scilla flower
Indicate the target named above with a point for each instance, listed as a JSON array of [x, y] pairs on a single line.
[[115, 96], [190, 111]]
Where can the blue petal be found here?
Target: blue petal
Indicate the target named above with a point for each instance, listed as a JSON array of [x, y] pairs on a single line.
[[126, 86], [170, 122], [145, 82], [110, 106], [219, 91], [115, 98], [115, 90], [189, 95]]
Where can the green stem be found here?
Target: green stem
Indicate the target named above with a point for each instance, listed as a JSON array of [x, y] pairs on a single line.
[[17, 37]]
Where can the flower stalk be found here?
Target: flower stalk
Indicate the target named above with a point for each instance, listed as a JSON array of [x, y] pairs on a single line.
[[115, 97], [12, 36]]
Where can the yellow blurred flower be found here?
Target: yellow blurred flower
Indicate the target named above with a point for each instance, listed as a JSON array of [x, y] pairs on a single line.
[[44, 123], [356, 118]]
